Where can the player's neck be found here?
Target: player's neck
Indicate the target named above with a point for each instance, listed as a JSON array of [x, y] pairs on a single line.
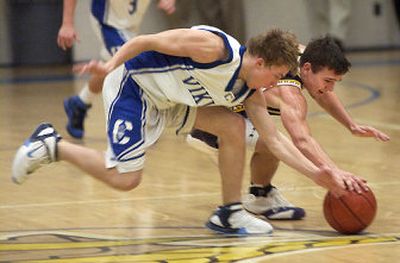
[[246, 64]]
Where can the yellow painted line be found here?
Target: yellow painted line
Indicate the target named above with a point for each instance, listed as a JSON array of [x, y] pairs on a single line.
[[200, 254]]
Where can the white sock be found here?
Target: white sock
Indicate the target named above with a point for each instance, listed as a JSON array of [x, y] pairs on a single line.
[[86, 95]]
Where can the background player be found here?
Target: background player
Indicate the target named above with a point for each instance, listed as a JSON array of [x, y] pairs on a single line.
[[114, 22]]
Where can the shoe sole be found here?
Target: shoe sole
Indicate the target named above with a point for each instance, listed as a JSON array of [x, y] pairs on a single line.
[[19, 174], [235, 232], [221, 230], [263, 217]]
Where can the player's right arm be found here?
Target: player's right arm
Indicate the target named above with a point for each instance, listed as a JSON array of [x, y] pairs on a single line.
[[293, 107], [284, 149], [199, 45], [67, 34]]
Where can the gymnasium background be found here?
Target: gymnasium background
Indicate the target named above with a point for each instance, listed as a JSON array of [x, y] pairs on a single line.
[[373, 25]]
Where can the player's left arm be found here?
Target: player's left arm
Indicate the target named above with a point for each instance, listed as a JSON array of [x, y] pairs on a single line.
[[200, 45], [331, 103]]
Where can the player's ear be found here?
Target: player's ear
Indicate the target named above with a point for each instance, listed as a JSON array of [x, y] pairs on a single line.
[[307, 66], [260, 62]]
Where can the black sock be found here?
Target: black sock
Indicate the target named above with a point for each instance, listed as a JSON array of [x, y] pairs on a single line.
[[258, 190]]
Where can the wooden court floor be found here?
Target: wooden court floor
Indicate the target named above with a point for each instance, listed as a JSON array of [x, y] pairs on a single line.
[[63, 215]]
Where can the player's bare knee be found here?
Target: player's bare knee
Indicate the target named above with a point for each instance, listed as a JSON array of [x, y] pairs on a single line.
[[128, 181]]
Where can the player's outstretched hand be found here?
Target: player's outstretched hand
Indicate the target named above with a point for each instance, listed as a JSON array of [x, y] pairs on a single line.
[[339, 182], [93, 67], [367, 131]]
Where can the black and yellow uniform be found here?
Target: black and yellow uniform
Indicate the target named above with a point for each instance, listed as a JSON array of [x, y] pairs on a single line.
[[289, 80]]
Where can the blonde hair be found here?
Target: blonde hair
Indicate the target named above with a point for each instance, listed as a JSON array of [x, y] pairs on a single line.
[[276, 47]]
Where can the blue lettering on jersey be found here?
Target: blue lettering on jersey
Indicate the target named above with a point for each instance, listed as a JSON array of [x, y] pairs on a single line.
[[198, 92]]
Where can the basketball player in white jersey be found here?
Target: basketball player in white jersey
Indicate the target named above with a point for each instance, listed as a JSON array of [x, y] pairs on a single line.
[[114, 22], [322, 64], [170, 79]]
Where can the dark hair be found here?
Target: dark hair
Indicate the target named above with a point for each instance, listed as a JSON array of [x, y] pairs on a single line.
[[276, 47], [325, 52]]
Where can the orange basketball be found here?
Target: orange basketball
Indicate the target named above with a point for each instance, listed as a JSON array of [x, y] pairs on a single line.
[[351, 213]]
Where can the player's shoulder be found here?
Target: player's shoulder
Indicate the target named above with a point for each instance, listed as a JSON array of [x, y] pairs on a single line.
[[292, 80], [225, 36]]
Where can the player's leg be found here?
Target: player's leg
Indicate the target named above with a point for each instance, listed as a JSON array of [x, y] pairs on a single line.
[[263, 198], [76, 107], [121, 167], [93, 163], [263, 165], [217, 121], [229, 128], [46, 146]]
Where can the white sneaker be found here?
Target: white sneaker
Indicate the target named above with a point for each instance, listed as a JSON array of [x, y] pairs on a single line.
[[273, 206], [233, 219], [40, 148]]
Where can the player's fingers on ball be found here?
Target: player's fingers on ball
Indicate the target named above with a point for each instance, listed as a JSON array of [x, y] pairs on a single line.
[[357, 186], [337, 193], [341, 192], [365, 186], [349, 184], [343, 185], [362, 183]]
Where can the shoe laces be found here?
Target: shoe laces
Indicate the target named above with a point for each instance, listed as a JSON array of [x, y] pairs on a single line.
[[277, 200]]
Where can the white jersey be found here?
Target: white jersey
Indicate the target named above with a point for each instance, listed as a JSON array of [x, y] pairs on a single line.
[[169, 80], [120, 14]]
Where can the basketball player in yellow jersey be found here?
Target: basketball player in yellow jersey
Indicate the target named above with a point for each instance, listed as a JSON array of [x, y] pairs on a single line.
[[322, 64]]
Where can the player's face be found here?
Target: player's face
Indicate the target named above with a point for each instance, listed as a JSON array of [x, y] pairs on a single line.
[[265, 76], [321, 82]]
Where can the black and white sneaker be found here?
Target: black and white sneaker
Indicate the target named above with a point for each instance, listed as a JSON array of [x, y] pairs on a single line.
[[233, 219], [39, 149], [271, 205]]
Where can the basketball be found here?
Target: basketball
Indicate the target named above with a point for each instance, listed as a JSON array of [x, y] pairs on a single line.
[[351, 213]]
